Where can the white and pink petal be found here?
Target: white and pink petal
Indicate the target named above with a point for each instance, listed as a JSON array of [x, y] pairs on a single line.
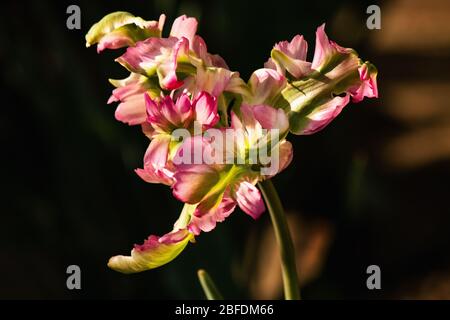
[[186, 27], [156, 166], [207, 221], [205, 106], [249, 199]]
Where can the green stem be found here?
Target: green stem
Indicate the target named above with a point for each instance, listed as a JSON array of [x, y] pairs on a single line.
[[208, 285], [287, 253]]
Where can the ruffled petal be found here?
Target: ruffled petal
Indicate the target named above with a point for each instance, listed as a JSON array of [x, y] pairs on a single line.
[[156, 169], [313, 101], [122, 29], [325, 50], [205, 106], [165, 115], [264, 84], [157, 56], [157, 151], [199, 182], [193, 182], [368, 87], [186, 27], [297, 48], [271, 118], [320, 117], [167, 69], [212, 80], [286, 153], [291, 56], [207, 221], [155, 176], [132, 110], [130, 92], [250, 200], [153, 253]]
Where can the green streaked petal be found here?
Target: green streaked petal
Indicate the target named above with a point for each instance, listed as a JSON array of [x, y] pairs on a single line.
[[125, 26], [155, 252], [306, 96]]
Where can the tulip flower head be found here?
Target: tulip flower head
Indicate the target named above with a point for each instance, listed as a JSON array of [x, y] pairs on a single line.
[[212, 135]]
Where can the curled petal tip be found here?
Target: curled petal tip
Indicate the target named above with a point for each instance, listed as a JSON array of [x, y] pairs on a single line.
[[153, 253]]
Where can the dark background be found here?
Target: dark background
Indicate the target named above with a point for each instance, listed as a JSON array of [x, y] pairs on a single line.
[[375, 181]]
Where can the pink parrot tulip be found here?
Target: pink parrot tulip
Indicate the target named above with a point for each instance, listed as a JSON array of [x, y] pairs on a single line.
[[164, 116], [318, 91], [214, 136]]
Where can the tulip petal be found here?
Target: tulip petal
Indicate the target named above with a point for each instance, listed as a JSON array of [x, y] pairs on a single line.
[[286, 153], [320, 117], [207, 221], [130, 92], [121, 29], [212, 80], [117, 39], [153, 253], [186, 27], [326, 51], [203, 185], [194, 181], [250, 200], [155, 161], [165, 115], [205, 106], [325, 91], [197, 182], [157, 151], [290, 56], [142, 57], [297, 68], [368, 87], [167, 69], [132, 110], [271, 118], [264, 85], [157, 56], [297, 48], [155, 176]]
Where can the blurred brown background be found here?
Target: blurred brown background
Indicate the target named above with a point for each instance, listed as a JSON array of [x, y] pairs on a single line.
[[372, 188]]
